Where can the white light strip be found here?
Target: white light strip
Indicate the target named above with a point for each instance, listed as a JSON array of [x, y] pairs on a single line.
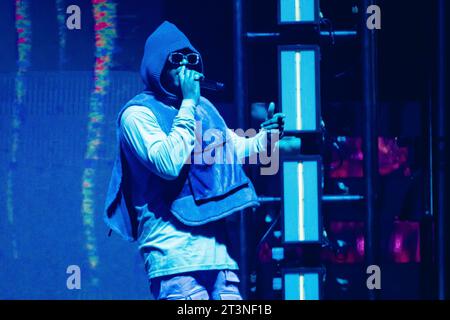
[[302, 287], [297, 91], [297, 10], [301, 202]]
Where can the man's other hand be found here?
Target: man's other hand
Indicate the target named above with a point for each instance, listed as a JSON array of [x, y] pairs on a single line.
[[274, 121]]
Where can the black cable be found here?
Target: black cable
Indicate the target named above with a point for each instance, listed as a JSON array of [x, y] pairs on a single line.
[[330, 29], [270, 229]]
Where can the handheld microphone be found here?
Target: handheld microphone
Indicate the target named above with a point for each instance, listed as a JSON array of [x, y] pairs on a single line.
[[211, 84]]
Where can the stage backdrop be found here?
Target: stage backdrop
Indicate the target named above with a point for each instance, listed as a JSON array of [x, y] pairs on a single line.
[[52, 207], [60, 91]]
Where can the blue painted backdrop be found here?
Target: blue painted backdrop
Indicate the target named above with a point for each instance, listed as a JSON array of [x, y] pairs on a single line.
[[47, 89]]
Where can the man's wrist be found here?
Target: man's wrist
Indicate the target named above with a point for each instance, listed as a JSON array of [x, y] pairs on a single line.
[[187, 109], [188, 103]]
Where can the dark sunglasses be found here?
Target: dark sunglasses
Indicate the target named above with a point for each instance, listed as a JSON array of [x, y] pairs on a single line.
[[177, 58]]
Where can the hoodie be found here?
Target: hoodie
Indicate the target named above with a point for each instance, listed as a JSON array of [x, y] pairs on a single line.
[[167, 38], [202, 193]]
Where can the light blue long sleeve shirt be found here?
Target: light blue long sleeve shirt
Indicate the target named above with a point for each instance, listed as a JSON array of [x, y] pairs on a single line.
[[168, 246]]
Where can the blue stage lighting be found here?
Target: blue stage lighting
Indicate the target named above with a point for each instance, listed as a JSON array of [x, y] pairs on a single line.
[[302, 222], [302, 283], [298, 11], [300, 87]]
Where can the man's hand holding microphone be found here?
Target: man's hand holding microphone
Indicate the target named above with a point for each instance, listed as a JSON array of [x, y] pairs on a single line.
[[190, 84]]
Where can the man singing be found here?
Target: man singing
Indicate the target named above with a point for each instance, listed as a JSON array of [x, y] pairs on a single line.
[[159, 195]]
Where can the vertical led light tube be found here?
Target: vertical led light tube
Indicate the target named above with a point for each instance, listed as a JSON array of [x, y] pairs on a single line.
[[301, 200], [302, 283], [298, 11], [299, 85]]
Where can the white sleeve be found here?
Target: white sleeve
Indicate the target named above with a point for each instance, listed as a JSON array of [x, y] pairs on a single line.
[[163, 154], [246, 147]]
